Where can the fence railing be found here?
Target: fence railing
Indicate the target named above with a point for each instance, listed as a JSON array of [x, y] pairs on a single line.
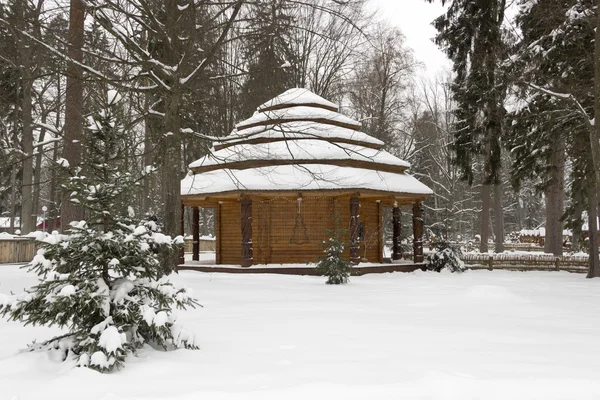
[[524, 262], [206, 244]]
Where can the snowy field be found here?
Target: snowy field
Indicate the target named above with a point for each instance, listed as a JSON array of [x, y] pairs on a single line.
[[479, 335]]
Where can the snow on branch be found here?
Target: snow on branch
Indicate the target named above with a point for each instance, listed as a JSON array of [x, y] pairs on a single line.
[[568, 97]]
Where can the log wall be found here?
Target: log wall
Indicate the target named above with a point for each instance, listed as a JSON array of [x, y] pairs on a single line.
[[283, 233]]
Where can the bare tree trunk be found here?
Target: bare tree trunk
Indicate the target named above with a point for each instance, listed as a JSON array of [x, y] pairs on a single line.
[[555, 199], [73, 135]]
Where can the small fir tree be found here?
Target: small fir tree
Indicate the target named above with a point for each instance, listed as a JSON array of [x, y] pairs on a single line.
[[102, 281], [333, 265], [446, 256]]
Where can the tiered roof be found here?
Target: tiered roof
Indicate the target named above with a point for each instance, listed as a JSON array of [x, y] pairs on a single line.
[[299, 141]]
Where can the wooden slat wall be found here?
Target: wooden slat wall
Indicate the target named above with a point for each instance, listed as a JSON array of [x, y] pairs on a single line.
[[369, 215], [278, 233], [230, 233], [16, 251]]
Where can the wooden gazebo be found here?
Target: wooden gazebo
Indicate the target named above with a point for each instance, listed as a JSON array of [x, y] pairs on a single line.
[[279, 178]]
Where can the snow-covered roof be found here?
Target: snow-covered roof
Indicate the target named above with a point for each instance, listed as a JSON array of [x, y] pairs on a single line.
[[300, 177], [297, 96], [297, 142], [541, 232], [298, 113], [302, 130], [310, 149]]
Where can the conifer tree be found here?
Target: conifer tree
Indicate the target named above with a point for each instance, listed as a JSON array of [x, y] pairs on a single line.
[[333, 265], [471, 34], [102, 281]]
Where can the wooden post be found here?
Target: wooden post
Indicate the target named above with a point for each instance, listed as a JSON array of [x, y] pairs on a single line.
[[218, 251], [417, 232], [397, 227], [182, 233], [246, 225], [196, 234], [354, 216]]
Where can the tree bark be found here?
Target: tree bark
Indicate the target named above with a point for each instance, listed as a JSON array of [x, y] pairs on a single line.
[[555, 199], [25, 56], [594, 271], [485, 216], [499, 217], [73, 129]]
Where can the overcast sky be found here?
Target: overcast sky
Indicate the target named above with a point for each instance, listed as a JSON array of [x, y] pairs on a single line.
[[414, 17]]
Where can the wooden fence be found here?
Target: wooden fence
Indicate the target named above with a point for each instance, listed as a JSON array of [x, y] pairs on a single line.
[[205, 245], [526, 262], [17, 250]]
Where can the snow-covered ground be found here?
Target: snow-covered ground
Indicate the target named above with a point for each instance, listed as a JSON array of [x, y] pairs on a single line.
[[478, 335]]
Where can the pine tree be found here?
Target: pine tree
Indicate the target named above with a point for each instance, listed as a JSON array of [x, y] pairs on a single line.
[[102, 281], [268, 53]]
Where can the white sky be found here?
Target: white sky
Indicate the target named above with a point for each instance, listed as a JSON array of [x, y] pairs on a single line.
[[414, 18]]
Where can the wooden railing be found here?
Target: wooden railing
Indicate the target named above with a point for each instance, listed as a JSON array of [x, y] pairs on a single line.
[[526, 262]]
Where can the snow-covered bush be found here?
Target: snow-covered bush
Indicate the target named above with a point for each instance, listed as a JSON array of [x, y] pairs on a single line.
[[333, 265], [103, 280], [446, 256]]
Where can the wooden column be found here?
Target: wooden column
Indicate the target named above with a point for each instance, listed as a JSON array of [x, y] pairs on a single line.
[[196, 234], [218, 252], [246, 225], [417, 232], [354, 243], [182, 233], [397, 232]]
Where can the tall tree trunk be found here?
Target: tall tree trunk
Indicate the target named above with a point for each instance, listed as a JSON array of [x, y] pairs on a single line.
[[594, 271], [578, 206], [593, 230], [25, 56], [499, 218], [13, 175], [73, 132], [171, 170], [485, 216], [555, 199], [38, 168]]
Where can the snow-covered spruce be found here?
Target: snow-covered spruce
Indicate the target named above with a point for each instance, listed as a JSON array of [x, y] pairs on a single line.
[[446, 256], [105, 288], [333, 265], [103, 281]]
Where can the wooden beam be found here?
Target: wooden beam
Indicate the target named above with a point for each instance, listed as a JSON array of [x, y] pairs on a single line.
[[354, 225], [418, 232], [397, 232], [248, 164], [246, 226], [196, 234], [182, 233]]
